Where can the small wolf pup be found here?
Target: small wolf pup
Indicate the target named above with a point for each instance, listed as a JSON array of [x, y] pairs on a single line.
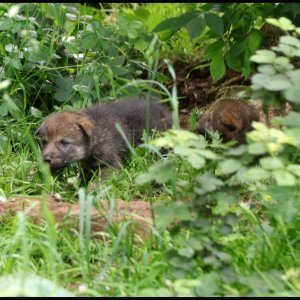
[[90, 136], [232, 118]]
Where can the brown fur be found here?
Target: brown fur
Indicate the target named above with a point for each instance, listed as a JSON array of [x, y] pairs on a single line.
[[90, 136], [232, 118]]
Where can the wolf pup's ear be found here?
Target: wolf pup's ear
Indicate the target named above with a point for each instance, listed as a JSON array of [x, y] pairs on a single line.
[[38, 131], [86, 125]]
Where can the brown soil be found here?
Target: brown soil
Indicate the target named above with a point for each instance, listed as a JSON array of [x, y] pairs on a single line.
[[139, 212]]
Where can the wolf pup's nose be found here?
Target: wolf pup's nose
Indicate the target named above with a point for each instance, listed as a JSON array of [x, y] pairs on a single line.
[[47, 159]]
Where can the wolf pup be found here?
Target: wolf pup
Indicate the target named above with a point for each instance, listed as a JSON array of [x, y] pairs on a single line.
[[232, 118], [90, 136]]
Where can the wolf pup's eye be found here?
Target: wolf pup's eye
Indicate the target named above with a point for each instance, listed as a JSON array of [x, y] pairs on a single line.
[[43, 142], [64, 142]]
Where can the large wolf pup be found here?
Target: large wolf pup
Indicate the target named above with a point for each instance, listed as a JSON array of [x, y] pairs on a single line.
[[90, 136], [232, 118]]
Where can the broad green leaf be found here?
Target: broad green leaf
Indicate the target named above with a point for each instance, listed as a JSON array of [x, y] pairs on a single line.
[[214, 22], [62, 95], [285, 49], [284, 178], [256, 148], [29, 285], [141, 44], [195, 27], [254, 174], [283, 23], [6, 24], [217, 68], [278, 82], [292, 119], [254, 40], [295, 169], [267, 69], [260, 79], [239, 47], [16, 64], [89, 40], [175, 23], [214, 50], [160, 172], [142, 13], [271, 163], [209, 285], [233, 62], [209, 182], [196, 161], [229, 166], [181, 212], [263, 56], [208, 154], [36, 112], [292, 94], [187, 252], [168, 24], [132, 33]]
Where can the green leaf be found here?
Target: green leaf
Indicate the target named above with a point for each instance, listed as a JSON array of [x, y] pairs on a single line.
[[256, 148], [214, 50], [295, 169], [271, 163], [195, 27], [187, 252], [284, 178], [168, 24], [16, 64], [293, 92], [196, 161], [19, 285], [267, 69], [229, 166], [263, 56], [254, 40], [132, 33], [217, 68], [233, 62], [141, 44], [89, 40], [160, 172], [175, 23], [214, 22], [209, 285], [278, 82], [35, 112], [209, 182], [142, 13], [254, 174], [181, 212], [6, 24], [208, 154], [292, 119]]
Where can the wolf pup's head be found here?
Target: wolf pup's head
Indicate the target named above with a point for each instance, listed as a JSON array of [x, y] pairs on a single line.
[[231, 118], [65, 137]]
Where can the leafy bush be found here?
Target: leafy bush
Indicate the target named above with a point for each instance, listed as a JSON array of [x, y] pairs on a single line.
[[233, 29], [59, 55], [237, 203]]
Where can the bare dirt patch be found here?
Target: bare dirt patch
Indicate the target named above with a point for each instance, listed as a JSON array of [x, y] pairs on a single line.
[[67, 214]]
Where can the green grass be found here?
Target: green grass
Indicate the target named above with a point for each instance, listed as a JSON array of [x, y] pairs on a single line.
[[216, 246]]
